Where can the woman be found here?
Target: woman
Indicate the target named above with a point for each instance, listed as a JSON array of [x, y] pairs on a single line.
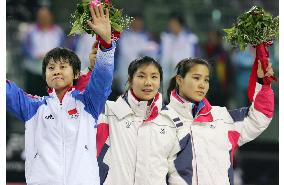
[[209, 135], [135, 144]]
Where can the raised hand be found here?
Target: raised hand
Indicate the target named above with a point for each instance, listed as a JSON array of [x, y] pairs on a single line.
[[100, 22], [260, 73]]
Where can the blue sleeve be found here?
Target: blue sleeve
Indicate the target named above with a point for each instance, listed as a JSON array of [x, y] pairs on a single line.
[[22, 105], [239, 114], [99, 86]]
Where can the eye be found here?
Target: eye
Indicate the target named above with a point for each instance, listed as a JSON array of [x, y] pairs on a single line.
[[196, 78], [51, 67], [207, 80], [155, 77], [140, 76]]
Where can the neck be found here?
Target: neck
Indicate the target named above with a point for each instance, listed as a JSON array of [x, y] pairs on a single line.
[[61, 93], [138, 99], [184, 98]]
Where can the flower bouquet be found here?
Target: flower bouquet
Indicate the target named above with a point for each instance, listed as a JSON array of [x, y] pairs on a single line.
[[82, 13], [257, 28]]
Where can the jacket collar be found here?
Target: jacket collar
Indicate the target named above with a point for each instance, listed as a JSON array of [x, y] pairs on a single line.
[[129, 104], [184, 108], [52, 93]]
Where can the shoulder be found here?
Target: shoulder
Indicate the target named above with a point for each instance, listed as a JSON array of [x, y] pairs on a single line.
[[221, 113], [118, 108], [167, 113], [191, 37]]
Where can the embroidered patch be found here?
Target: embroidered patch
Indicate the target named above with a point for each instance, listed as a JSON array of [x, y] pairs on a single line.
[[128, 124], [73, 113], [163, 131]]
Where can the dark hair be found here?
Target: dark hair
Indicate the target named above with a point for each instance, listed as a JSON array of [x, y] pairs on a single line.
[[135, 64], [58, 54], [182, 68], [178, 16]]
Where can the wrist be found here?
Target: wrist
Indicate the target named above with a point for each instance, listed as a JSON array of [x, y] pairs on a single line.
[[104, 44]]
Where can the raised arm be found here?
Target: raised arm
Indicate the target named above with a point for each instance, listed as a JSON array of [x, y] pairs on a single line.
[[257, 118], [99, 86], [22, 105]]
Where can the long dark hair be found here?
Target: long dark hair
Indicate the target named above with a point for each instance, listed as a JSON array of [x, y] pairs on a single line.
[[135, 64], [182, 68]]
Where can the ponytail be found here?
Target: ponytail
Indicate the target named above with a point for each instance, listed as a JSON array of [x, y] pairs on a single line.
[[172, 86]]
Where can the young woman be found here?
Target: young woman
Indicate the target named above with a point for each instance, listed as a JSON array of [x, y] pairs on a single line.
[[209, 135], [135, 143], [60, 134]]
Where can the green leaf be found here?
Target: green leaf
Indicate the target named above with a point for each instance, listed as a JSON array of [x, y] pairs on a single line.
[[253, 27]]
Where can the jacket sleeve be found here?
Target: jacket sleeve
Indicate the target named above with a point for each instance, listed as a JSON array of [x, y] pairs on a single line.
[[174, 177], [99, 86], [19, 103], [102, 139], [258, 117], [102, 132]]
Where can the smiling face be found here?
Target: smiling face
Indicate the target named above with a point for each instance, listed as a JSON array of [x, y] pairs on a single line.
[[59, 75], [195, 85], [145, 82]]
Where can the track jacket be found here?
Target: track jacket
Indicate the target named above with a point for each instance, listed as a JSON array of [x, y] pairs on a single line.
[[209, 139], [60, 137], [140, 143]]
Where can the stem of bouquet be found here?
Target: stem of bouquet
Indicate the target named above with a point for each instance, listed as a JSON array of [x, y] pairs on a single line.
[[262, 54]]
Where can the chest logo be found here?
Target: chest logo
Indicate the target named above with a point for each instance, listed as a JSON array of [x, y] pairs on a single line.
[[212, 126], [128, 124], [50, 116], [162, 131], [73, 113]]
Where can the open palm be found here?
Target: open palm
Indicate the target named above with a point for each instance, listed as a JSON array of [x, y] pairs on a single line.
[[100, 23]]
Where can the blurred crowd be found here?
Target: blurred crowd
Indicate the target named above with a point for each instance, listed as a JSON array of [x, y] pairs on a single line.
[[230, 67], [29, 41]]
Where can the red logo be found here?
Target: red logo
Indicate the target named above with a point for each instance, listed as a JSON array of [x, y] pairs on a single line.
[[73, 113]]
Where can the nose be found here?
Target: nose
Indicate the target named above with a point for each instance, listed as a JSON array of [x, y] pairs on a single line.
[[148, 82], [56, 71], [202, 85]]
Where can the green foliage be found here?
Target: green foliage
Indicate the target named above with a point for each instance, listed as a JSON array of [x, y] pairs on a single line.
[[82, 13], [253, 27]]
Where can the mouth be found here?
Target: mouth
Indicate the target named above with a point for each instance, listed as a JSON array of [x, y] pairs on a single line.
[[200, 93], [57, 78], [147, 90]]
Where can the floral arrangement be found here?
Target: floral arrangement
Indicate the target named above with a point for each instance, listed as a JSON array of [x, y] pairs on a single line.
[[258, 28], [82, 13], [253, 27]]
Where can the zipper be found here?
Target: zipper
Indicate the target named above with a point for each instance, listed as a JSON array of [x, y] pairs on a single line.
[[63, 143], [142, 122], [194, 154]]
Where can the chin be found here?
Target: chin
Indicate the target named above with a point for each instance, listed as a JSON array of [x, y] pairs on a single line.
[[147, 98], [197, 99]]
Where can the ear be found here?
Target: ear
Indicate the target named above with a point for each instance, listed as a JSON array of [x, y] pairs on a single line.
[[179, 80]]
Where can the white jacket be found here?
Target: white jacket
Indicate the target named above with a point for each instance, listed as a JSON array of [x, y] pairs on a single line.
[[60, 137], [141, 142], [208, 140]]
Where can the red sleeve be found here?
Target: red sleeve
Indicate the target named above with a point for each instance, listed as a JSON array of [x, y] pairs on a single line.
[[264, 101], [83, 80]]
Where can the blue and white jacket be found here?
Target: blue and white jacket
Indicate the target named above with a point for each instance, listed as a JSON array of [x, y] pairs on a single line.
[[209, 138], [60, 137]]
